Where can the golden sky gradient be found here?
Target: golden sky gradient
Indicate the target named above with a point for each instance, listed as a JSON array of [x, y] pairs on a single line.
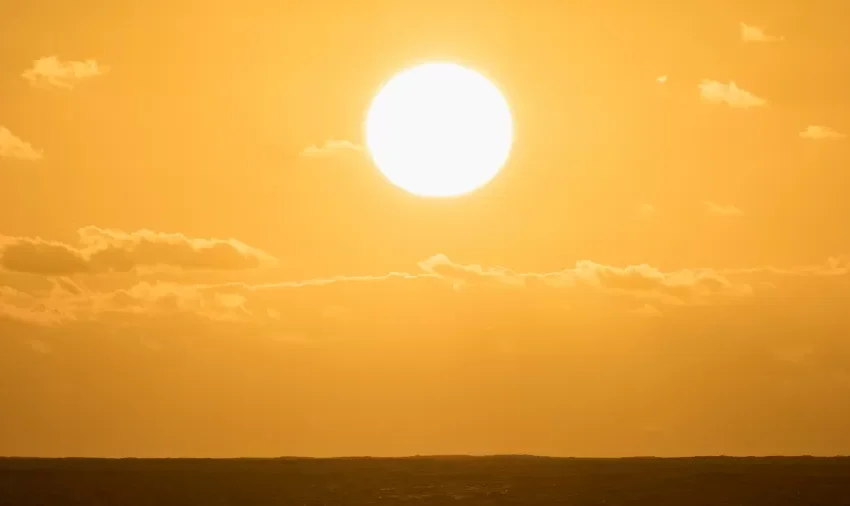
[[197, 257]]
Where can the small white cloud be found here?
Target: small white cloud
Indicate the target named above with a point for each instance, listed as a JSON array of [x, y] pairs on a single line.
[[818, 132], [52, 72], [12, 146], [331, 147], [730, 94], [661, 79], [751, 33], [722, 209]]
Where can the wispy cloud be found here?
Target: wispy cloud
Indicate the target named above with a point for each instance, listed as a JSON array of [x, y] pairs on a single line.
[[730, 94], [722, 209], [306, 306], [628, 288], [750, 33], [331, 147], [12, 146], [52, 72], [110, 250], [819, 132]]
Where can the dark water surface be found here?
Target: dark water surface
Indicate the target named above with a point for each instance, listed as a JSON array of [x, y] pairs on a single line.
[[715, 481]]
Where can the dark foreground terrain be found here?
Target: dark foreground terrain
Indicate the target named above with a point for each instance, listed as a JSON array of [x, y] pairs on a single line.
[[427, 480]]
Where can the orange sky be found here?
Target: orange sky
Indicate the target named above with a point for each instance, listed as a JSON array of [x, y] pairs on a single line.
[[658, 270]]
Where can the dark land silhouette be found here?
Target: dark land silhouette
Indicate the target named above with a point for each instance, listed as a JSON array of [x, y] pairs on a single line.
[[514, 480]]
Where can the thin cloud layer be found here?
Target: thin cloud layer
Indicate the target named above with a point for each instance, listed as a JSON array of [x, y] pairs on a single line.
[[442, 291], [722, 209], [110, 250], [51, 72], [820, 132], [750, 33], [729, 94], [11, 146], [331, 148]]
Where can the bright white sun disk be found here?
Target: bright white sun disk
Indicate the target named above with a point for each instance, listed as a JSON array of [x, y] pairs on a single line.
[[439, 130]]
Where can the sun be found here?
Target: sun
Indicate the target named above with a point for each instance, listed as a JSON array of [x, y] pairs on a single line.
[[439, 130]]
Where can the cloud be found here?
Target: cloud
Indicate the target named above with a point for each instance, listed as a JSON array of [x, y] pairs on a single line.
[[751, 33], [730, 94], [110, 250], [441, 285], [51, 72], [638, 281], [722, 209], [819, 132], [12, 146], [330, 148], [834, 266], [442, 293], [661, 79]]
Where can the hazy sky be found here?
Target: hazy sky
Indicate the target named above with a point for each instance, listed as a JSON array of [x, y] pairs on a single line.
[[197, 258]]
